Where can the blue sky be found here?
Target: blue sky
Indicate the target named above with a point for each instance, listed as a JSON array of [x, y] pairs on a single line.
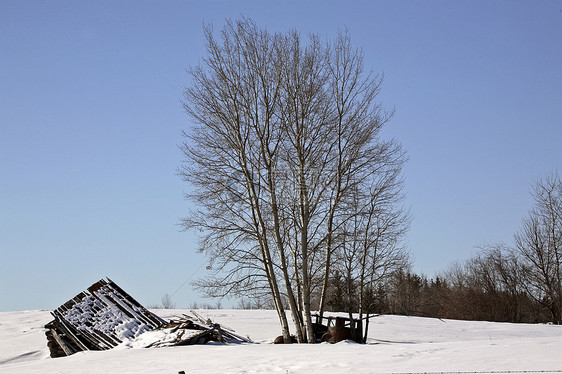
[[90, 120]]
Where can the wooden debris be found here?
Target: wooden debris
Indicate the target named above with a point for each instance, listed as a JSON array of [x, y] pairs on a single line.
[[188, 330]]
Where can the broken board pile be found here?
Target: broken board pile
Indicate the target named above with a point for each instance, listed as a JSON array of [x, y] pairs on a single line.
[[105, 316], [187, 330]]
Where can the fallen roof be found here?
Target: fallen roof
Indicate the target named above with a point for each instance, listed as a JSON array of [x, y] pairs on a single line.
[[98, 319], [105, 316]]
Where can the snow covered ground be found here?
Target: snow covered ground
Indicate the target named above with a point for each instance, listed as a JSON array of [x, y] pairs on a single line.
[[396, 344]]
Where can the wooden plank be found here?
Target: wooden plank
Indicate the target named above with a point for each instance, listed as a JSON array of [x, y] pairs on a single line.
[[88, 338], [67, 329], [60, 341], [156, 321]]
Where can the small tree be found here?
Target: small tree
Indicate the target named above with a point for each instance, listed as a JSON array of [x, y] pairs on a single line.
[[167, 302]]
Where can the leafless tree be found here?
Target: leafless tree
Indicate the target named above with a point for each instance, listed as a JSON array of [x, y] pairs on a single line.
[[539, 245], [495, 276], [232, 101], [491, 286], [369, 249], [286, 135], [167, 302]]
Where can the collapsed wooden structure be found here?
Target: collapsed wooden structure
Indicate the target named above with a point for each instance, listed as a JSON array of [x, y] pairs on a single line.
[[105, 316]]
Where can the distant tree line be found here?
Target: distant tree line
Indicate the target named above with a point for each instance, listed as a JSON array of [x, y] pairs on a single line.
[[503, 283]]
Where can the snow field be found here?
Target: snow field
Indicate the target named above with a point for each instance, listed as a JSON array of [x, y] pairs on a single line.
[[397, 344]]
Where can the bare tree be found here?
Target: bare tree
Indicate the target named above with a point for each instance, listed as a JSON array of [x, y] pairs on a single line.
[[286, 134], [167, 302], [369, 249], [539, 245], [232, 101]]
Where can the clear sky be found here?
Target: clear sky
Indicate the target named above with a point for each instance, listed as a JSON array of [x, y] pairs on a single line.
[[90, 120]]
